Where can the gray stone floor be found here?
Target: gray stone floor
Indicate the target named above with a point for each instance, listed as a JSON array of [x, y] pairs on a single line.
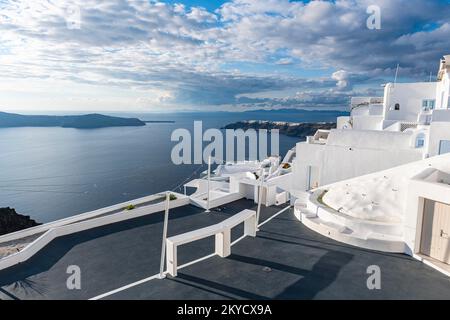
[[285, 261]]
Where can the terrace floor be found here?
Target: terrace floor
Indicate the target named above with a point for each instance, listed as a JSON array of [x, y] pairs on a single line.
[[285, 261]]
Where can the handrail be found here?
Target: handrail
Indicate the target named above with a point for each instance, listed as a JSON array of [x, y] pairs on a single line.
[[222, 232], [77, 218], [59, 231]]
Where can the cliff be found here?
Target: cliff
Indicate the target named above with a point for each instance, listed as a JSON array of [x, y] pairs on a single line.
[[11, 221], [300, 130]]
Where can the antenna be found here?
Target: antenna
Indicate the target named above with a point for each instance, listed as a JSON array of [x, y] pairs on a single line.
[[396, 73]]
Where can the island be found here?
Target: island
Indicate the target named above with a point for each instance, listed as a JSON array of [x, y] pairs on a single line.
[[159, 121], [291, 129], [88, 121]]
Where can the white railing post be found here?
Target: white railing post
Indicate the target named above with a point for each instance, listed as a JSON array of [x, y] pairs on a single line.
[[172, 259], [223, 243], [209, 182], [163, 246], [258, 211], [250, 226]]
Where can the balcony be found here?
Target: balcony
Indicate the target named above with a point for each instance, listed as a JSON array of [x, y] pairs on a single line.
[[321, 137]]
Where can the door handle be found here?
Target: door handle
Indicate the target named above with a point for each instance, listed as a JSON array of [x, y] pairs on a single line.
[[444, 234]]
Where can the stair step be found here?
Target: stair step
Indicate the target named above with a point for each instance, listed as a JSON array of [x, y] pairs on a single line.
[[337, 227], [308, 214]]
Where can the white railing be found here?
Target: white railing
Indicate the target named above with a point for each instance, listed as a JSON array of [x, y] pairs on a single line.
[[221, 231], [59, 231], [80, 217]]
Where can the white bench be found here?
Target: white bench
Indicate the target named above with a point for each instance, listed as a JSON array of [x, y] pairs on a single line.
[[222, 232]]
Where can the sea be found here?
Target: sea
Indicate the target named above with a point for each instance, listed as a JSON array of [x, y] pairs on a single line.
[[54, 173]]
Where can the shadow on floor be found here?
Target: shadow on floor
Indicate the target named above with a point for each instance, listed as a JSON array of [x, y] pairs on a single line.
[[323, 274], [218, 288], [58, 248]]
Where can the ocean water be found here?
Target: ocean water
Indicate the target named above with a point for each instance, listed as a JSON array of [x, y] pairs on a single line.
[[53, 173]]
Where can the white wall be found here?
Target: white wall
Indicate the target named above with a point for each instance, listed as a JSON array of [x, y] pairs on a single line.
[[343, 123], [410, 97], [369, 139], [442, 91], [438, 131], [367, 122], [352, 153], [361, 111], [441, 115], [376, 109]]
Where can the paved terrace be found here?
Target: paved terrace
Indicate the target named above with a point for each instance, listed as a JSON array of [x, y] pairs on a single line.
[[285, 261]]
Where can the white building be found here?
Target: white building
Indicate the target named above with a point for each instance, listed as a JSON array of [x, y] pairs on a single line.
[[411, 122], [381, 180]]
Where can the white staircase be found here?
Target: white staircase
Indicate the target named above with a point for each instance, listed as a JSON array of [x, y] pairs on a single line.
[[381, 236], [217, 198]]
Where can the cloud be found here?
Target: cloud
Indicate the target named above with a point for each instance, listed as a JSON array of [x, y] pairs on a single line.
[[200, 15], [285, 61], [180, 51], [335, 34], [341, 77]]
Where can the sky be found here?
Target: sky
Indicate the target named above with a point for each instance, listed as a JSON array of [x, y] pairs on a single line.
[[212, 55]]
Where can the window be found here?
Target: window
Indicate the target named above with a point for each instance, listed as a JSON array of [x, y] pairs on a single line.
[[428, 104], [444, 146], [420, 140], [397, 106]]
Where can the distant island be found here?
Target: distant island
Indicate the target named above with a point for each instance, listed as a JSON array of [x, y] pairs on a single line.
[[88, 121], [291, 129], [158, 121], [296, 111]]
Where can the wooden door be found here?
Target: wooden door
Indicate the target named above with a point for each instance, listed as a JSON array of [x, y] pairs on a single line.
[[435, 239]]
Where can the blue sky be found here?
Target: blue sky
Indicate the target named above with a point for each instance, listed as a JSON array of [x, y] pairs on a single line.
[[146, 55], [209, 5]]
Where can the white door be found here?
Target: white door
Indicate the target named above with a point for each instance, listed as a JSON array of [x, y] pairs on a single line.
[[435, 240]]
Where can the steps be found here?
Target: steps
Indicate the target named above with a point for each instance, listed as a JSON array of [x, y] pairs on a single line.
[[374, 235], [367, 240], [218, 198], [361, 225]]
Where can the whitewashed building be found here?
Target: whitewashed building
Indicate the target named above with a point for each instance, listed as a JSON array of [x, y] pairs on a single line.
[[411, 122], [381, 180]]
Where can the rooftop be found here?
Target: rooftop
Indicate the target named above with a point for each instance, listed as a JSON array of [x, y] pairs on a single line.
[[285, 261]]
